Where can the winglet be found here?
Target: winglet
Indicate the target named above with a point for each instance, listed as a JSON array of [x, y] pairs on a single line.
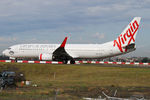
[[64, 42]]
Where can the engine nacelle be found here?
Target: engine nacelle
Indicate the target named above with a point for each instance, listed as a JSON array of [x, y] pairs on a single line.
[[45, 56]]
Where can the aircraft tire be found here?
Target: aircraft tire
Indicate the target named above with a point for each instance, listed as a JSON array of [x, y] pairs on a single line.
[[65, 61], [72, 61], [16, 59]]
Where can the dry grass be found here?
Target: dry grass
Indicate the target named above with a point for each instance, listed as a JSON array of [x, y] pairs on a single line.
[[49, 77]]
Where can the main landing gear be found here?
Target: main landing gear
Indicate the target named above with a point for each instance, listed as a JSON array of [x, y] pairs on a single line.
[[66, 61], [72, 61]]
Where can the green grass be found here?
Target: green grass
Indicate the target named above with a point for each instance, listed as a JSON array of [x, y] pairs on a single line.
[[76, 78], [73, 75]]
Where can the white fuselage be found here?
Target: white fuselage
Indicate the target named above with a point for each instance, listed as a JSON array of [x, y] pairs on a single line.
[[74, 50], [123, 44]]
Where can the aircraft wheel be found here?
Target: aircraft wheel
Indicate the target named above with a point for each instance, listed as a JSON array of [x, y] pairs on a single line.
[[72, 62], [16, 59], [65, 61]]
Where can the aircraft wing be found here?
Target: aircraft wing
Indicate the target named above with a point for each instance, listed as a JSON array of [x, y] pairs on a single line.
[[60, 53]]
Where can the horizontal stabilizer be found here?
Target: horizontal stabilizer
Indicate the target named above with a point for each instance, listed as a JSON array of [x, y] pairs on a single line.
[[130, 46]]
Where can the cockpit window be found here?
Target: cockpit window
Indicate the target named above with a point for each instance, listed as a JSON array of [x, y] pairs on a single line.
[[9, 48]]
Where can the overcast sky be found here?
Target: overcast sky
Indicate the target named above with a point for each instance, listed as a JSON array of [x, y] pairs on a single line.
[[83, 21]]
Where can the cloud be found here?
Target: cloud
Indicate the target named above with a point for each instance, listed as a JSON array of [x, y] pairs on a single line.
[[99, 35], [8, 39], [48, 21], [5, 42]]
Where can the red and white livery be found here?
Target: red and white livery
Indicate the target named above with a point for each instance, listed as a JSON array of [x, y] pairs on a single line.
[[123, 44]]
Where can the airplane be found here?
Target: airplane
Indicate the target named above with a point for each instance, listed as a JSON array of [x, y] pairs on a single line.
[[125, 43]]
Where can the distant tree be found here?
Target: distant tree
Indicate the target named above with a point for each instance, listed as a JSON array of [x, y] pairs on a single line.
[[3, 57], [148, 60], [145, 60]]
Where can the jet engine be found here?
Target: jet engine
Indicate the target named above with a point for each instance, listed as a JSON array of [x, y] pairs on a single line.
[[45, 56]]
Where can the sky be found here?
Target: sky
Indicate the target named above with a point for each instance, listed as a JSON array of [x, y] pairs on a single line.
[[83, 21]]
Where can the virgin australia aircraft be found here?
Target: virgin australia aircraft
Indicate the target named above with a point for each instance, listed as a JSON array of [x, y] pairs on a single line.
[[123, 44]]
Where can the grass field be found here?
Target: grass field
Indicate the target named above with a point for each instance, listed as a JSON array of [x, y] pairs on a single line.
[[76, 81]]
